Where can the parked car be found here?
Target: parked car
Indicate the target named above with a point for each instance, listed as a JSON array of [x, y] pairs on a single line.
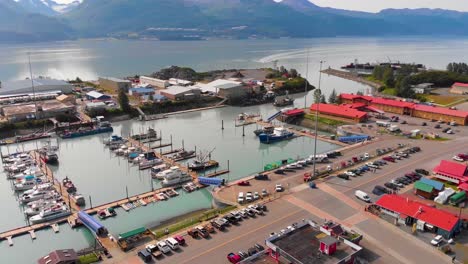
[[261, 177], [463, 156], [350, 173], [400, 185], [383, 189], [261, 207], [362, 196], [252, 251], [437, 126], [424, 124], [259, 247], [264, 192], [391, 186], [145, 256], [243, 183], [279, 187], [256, 196], [414, 175], [389, 159], [416, 149], [233, 258], [377, 192], [457, 158], [403, 122], [243, 254], [437, 240], [180, 240], [248, 197], [343, 176]]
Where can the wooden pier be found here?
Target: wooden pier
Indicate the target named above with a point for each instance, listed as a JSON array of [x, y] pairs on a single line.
[[216, 173], [161, 146]]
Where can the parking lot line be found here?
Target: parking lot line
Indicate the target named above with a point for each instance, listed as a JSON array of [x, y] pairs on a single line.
[[243, 235]]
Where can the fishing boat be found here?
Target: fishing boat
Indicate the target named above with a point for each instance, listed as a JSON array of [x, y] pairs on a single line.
[[175, 179], [87, 131], [265, 130], [34, 136], [197, 165], [78, 199], [114, 139], [49, 214], [279, 134], [151, 134], [189, 187], [281, 101], [49, 157], [43, 202], [120, 151], [183, 154], [69, 186], [105, 213]]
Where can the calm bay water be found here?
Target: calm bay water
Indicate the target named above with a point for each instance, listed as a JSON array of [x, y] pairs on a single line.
[[103, 176]]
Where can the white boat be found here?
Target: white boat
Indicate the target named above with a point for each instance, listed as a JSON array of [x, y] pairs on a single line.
[[40, 187], [17, 158], [25, 185], [172, 172], [121, 150], [35, 171], [114, 139], [176, 179], [37, 195], [50, 214], [156, 169], [139, 159], [128, 151], [150, 163], [37, 208], [15, 168]]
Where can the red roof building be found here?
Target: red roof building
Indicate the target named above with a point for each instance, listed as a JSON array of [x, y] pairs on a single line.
[[340, 111], [459, 88], [451, 171], [407, 108], [411, 211], [294, 112]]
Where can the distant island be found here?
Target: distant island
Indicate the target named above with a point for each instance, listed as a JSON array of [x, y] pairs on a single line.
[[23, 21]]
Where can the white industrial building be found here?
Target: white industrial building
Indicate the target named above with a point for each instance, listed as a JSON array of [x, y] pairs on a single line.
[[25, 87], [157, 83], [224, 88]]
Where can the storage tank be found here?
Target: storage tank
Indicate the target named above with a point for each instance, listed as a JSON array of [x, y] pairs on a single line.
[[92, 224]]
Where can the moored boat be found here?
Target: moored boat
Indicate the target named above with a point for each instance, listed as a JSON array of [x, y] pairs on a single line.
[[265, 130], [49, 214], [198, 165], [279, 134]]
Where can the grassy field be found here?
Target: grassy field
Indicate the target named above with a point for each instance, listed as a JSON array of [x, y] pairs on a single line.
[[89, 258], [325, 120], [446, 100], [190, 220], [390, 91]]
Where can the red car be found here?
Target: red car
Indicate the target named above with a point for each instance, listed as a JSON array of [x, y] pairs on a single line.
[[463, 156], [180, 240], [243, 183], [388, 158], [233, 258]]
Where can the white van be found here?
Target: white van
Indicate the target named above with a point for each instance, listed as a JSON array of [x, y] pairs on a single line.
[[240, 197], [172, 243], [362, 196], [382, 124]]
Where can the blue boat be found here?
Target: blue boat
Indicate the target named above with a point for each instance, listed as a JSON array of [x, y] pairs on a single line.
[[82, 133], [279, 134]]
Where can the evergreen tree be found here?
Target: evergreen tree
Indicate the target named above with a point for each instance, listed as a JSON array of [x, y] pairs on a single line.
[[360, 93], [333, 98], [124, 102], [317, 95], [293, 73], [388, 77], [323, 100]]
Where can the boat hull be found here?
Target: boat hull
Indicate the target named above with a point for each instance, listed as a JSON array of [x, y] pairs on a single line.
[[267, 138], [87, 133]]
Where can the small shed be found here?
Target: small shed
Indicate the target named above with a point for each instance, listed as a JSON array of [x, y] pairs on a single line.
[[438, 186], [328, 245], [424, 190], [63, 98]]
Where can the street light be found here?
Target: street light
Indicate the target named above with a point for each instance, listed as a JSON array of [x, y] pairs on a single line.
[[316, 122], [32, 85], [306, 79]]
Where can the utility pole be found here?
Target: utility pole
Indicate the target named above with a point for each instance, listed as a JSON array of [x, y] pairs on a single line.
[[32, 85], [306, 80], [316, 122]]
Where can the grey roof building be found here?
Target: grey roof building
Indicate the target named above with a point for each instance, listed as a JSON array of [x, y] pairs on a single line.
[[24, 87]]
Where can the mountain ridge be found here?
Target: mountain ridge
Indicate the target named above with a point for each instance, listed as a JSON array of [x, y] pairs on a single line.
[[200, 19]]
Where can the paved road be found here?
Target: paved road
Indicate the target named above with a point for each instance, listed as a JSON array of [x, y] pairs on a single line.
[[333, 200]]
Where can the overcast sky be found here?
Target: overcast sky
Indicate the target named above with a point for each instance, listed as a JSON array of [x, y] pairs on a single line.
[[377, 5]]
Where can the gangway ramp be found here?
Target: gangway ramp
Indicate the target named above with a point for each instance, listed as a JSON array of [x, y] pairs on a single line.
[[273, 116]]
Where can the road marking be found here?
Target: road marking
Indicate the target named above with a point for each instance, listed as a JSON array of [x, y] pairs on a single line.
[[246, 234]]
